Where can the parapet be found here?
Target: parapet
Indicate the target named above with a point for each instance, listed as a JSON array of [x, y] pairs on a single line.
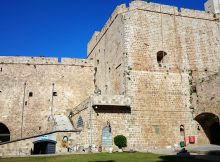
[[196, 14], [92, 42], [151, 7], [98, 35], [77, 62], [27, 60], [166, 9], [45, 61]]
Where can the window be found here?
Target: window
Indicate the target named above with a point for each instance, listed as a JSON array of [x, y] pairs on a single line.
[[160, 57], [80, 122], [30, 94], [182, 130], [54, 93], [156, 129]]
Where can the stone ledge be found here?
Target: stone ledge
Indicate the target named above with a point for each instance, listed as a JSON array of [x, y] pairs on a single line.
[[114, 100]]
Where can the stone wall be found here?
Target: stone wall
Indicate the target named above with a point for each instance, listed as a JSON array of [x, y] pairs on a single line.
[[161, 91], [206, 99], [25, 147], [33, 90], [165, 61], [107, 50], [19, 148]]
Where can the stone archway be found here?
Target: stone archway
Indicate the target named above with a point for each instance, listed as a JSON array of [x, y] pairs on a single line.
[[4, 133], [210, 124]]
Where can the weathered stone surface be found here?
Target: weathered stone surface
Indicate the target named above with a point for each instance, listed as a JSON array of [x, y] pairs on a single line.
[[154, 70], [19, 77]]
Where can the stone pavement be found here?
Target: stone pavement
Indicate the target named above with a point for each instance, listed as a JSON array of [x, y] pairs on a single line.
[[206, 152], [204, 149]]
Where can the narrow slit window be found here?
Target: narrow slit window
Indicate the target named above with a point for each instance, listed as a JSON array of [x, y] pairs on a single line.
[[160, 57], [30, 94]]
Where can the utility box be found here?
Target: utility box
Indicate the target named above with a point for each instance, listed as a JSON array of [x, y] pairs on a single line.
[[212, 6]]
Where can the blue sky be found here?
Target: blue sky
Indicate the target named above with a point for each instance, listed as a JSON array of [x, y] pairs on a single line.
[[58, 28]]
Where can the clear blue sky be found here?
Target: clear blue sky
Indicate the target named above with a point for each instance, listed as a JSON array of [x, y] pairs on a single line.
[[58, 28]]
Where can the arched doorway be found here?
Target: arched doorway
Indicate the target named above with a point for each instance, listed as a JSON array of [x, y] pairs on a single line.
[[106, 137], [44, 147], [4, 133], [210, 124]]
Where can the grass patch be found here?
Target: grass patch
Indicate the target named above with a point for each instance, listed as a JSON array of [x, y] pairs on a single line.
[[105, 157]]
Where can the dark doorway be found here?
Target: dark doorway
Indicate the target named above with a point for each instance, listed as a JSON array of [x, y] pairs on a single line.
[[4, 133], [215, 133], [44, 147], [210, 124]]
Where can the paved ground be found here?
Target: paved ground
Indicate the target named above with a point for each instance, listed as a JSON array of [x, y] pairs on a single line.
[[207, 152], [204, 149]]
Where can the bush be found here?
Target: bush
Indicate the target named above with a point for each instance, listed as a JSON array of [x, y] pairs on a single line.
[[120, 141]]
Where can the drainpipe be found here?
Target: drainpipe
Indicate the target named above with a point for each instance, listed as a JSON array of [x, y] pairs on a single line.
[[22, 111]]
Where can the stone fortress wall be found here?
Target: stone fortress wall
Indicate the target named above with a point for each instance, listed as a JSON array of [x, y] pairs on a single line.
[[162, 94], [162, 60], [33, 90]]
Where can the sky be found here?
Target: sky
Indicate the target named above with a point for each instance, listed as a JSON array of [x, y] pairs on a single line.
[[59, 28]]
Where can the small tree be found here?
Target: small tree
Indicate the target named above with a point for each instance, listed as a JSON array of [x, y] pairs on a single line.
[[120, 141]]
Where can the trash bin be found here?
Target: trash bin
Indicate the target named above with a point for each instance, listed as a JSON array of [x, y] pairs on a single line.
[[192, 139], [182, 144]]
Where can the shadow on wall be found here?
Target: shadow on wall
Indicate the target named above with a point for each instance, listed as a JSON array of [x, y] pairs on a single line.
[[112, 109]]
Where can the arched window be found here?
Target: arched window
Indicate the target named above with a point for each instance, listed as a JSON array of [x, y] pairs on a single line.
[[80, 122], [182, 130], [4, 133], [160, 57]]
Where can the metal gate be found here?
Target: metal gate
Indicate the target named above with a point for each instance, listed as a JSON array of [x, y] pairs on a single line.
[[106, 137]]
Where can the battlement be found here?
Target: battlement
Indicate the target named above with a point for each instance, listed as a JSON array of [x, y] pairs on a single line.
[[173, 10], [98, 35], [45, 61], [150, 7]]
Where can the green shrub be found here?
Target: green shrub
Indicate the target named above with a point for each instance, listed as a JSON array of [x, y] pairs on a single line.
[[120, 141]]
